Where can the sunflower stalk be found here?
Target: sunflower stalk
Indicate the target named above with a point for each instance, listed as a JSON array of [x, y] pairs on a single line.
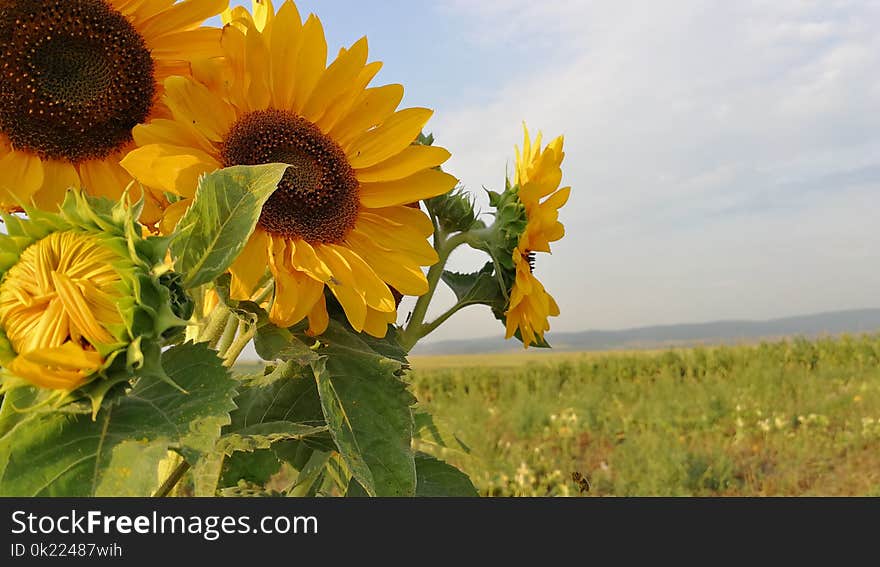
[[416, 329], [243, 336], [230, 330], [173, 480], [215, 325]]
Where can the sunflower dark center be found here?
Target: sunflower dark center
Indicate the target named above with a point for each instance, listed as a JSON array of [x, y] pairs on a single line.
[[75, 78], [317, 199]]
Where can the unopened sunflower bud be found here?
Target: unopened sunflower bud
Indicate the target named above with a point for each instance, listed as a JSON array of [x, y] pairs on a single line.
[[84, 299], [454, 211]]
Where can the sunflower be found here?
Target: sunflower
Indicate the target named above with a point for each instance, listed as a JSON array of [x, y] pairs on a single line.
[[538, 175], [76, 77], [338, 219], [80, 291]]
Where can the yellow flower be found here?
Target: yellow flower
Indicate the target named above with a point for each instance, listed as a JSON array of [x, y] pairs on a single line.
[[83, 296], [538, 175], [338, 219], [78, 75], [57, 305]]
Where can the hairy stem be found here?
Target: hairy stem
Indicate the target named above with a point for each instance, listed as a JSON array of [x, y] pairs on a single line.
[[172, 480], [415, 328], [245, 334], [428, 328], [228, 336], [214, 325]]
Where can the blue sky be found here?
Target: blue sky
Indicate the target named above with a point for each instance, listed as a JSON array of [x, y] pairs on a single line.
[[724, 156]]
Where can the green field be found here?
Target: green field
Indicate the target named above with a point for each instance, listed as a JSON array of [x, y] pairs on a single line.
[[789, 418]]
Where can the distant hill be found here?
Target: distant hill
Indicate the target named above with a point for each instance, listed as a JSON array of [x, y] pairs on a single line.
[[716, 332]]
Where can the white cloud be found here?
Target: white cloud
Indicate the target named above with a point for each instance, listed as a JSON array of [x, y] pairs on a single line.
[[724, 156]]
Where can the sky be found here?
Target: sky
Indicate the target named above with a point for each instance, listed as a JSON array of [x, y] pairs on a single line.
[[724, 157]]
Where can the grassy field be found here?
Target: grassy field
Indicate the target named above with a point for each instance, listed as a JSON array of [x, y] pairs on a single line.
[[790, 418]]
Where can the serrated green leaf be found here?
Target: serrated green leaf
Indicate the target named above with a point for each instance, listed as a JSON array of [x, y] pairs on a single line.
[[287, 395], [368, 409], [220, 220], [310, 475], [273, 343], [264, 435], [355, 490], [255, 467], [429, 430], [478, 288], [206, 474], [62, 454], [437, 478]]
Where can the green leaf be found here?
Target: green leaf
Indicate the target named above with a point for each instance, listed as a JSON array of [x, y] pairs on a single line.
[[310, 475], [368, 409], [436, 478], [478, 288], [286, 397], [255, 467], [220, 220], [117, 454], [355, 490], [430, 431], [272, 343], [264, 435]]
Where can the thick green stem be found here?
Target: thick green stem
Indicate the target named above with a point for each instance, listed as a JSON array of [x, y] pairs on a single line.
[[172, 480], [246, 333], [215, 325], [228, 335], [415, 327], [428, 328]]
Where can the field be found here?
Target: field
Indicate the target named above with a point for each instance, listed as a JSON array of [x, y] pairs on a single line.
[[790, 418]]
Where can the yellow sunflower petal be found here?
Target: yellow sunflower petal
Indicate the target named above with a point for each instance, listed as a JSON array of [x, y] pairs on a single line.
[[141, 10], [353, 304], [104, 178], [372, 107], [405, 217], [394, 268], [310, 62], [295, 297], [422, 185], [22, 177], [376, 323], [237, 16], [408, 162], [341, 107], [335, 80], [68, 356], [197, 44], [263, 13], [259, 94], [250, 266], [39, 375], [306, 260], [76, 307], [171, 132], [170, 168], [193, 103], [284, 41], [172, 215], [319, 319], [58, 177], [389, 138], [401, 238], [376, 292], [186, 14]]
